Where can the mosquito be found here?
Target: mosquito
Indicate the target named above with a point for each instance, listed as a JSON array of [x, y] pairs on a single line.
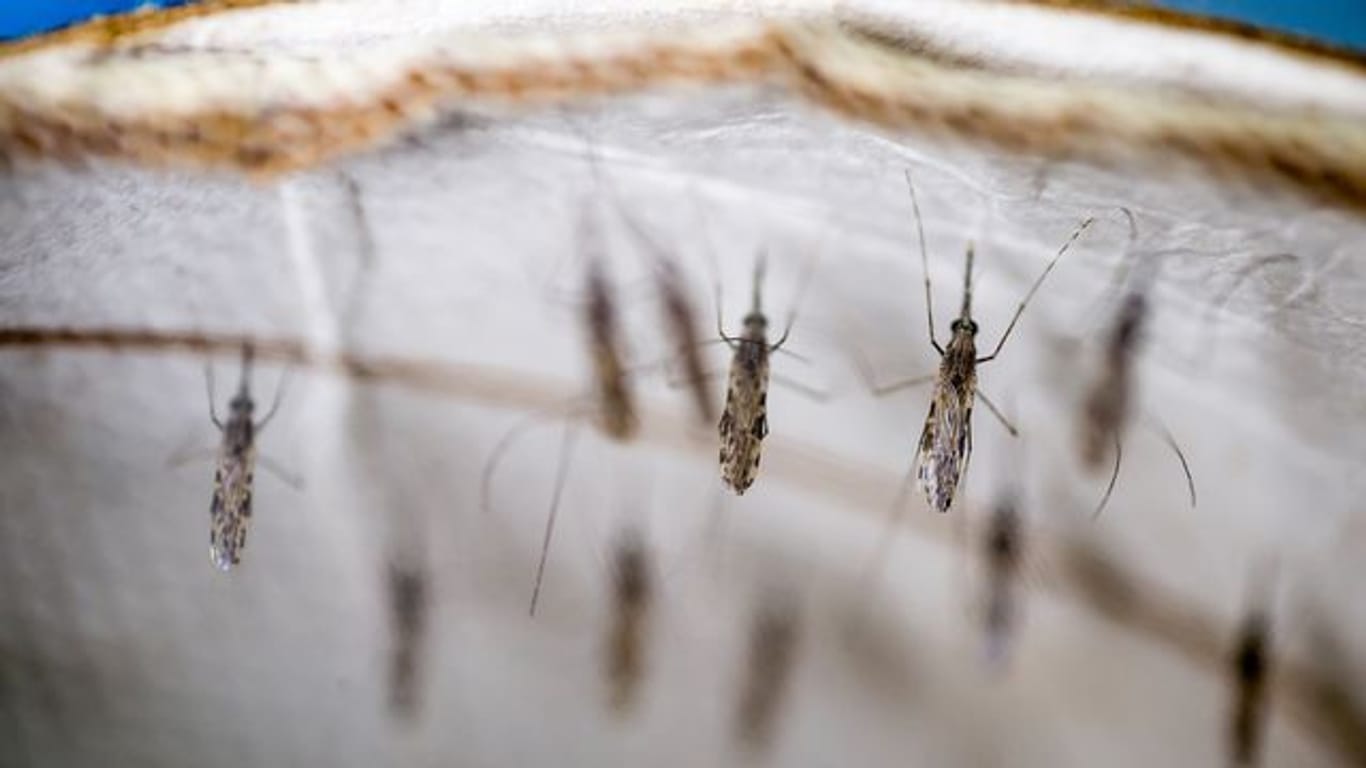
[[772, 651], [680, 320], [945, 444], [1251, 667], [408, 601], [230, 511], [1106, 409], [1003, 554], [744, 420], [632, 590], [678, 310], [617, 410], [617, 417]]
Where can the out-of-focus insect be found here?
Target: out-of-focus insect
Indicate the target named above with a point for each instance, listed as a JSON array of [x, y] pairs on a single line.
[[408, 601], [744, 420], [616, 403], [1004, 545], [678, 310], [1251, 667], [632, 590], [945, 444], [230, 510], [772, 649], [1106, 410], [614, 400], [679, 315], [680, 320]]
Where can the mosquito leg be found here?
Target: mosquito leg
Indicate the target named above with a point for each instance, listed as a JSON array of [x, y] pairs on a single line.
[[805, 390], [506, 442], [1170, 439], [666, 362], [566, 448], [272, 466], [865, 370], [208, 386], [275, 403], [1114, 476], [1010, 426], [181, 458], [805, 283]]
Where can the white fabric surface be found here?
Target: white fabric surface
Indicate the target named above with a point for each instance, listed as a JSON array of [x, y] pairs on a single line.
[[120, 645]]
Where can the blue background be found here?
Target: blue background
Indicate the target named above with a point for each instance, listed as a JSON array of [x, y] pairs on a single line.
[[1342, 22]]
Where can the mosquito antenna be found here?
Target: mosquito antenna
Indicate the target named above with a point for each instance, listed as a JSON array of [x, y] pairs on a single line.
[[280, 390], [1019, 310], [924, 264], [560, 474], [803, 283], [966, 312], [208, 386], [756, 289], [248, 353]]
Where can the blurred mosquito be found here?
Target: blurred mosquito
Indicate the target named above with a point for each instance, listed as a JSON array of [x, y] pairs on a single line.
[[679, 313], [613, 397], [772, 651], [1106, 410], [230, 511], [744, 420], [945, 444], [617, 409], [632, 590], [1250, 665], [1004, 547], [408, 601]]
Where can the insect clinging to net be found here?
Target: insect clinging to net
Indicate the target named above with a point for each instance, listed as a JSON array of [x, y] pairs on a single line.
[[616, 401], [744, 419], [679, 315], [1003, 545], [1251, 661], [230, 510], [613, 399], [632, 590], [1106, 410], [772, 653], [1250, 667], [408, 606], [945, 444]]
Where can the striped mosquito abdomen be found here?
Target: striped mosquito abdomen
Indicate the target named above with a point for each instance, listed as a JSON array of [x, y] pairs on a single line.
[[632, 589], [744, 423], [618, 418]]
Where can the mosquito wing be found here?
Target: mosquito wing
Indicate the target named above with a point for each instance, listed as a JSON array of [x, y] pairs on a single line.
[[945, 444], [230, 511], [744, 423]]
